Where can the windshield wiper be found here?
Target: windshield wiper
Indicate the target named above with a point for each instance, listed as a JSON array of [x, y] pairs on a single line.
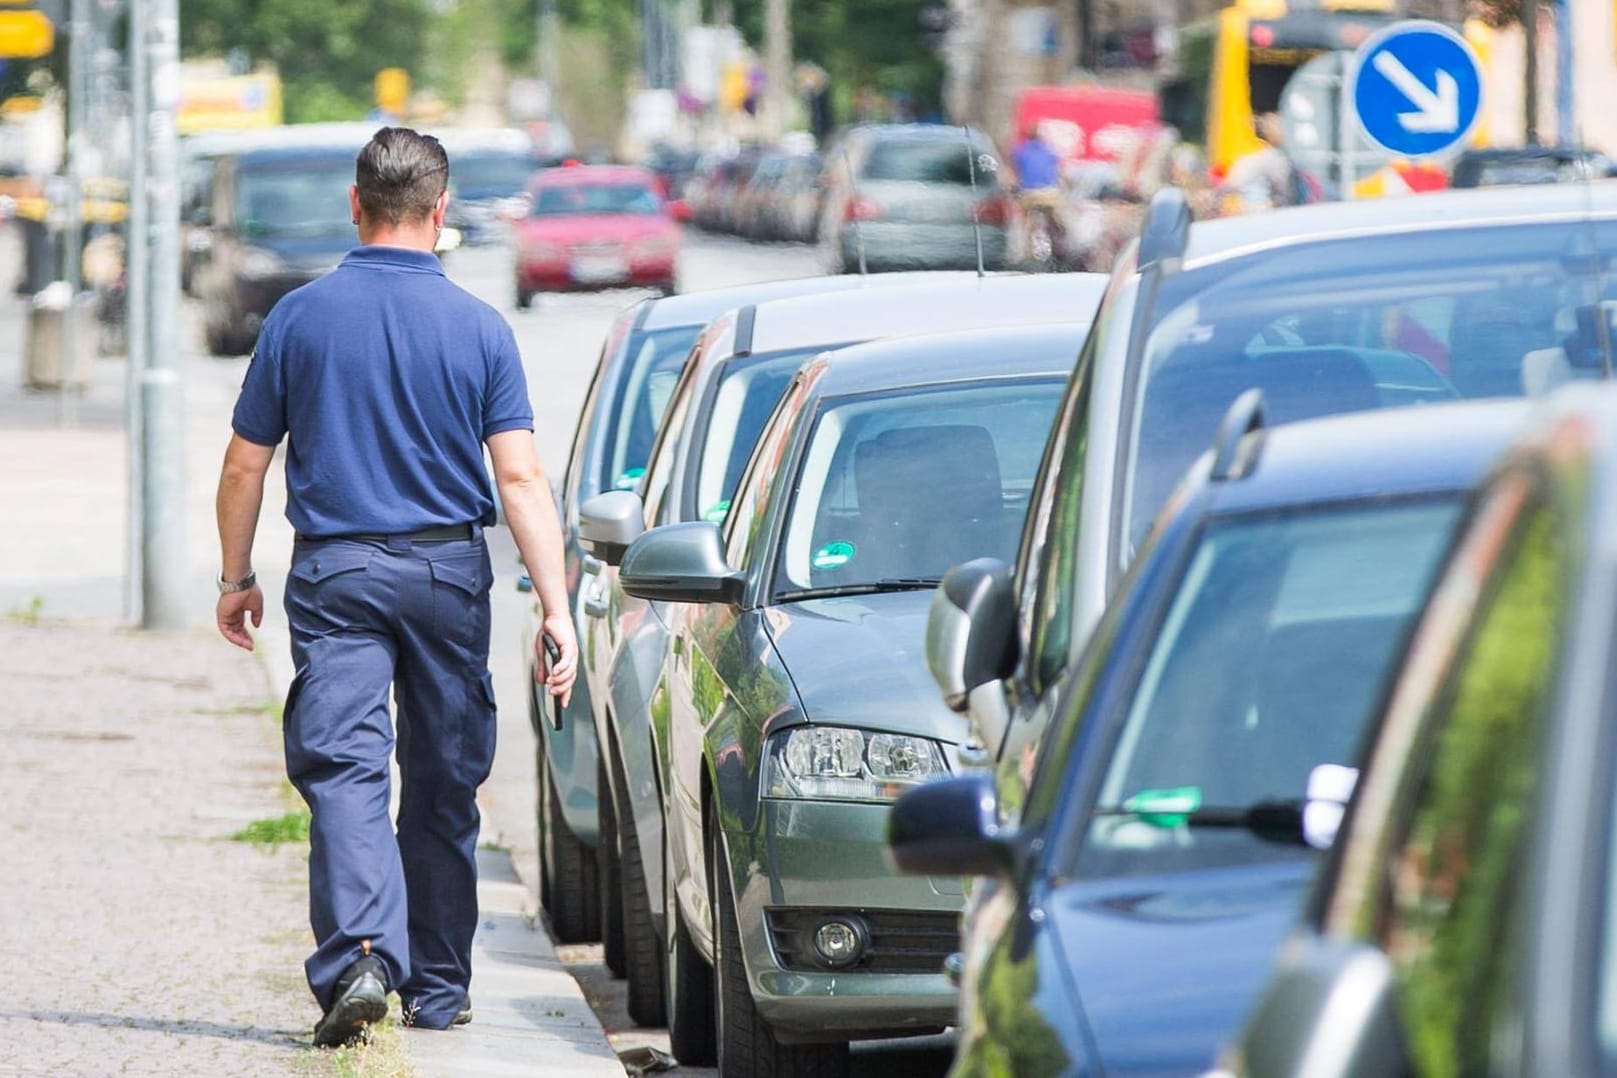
[[872, 587], [1271, 821]]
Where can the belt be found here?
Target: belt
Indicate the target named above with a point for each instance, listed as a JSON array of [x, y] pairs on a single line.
[[440, 533]]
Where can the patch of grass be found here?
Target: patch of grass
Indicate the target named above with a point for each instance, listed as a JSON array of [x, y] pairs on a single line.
[[494, 846], [237, 709], [28, 613], [381, 1055], [275, 830]]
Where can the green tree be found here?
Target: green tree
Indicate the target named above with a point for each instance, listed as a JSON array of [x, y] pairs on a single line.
[[327, 53]]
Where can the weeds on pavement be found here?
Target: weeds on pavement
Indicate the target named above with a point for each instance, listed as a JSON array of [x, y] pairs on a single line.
[[275, 830], [28, 613]]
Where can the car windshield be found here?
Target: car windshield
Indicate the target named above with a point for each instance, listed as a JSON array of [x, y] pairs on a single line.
[[655, 359], [1355, 324], [309, 198], [1268, 665], [903, 486], [491, 175], [945, 159], [596, 198], [747, 393]]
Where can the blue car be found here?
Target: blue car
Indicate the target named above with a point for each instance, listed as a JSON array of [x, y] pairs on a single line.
[[1171, 826]]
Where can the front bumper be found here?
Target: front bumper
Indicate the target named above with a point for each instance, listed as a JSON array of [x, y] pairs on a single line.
[[258, 295], [809, 855]]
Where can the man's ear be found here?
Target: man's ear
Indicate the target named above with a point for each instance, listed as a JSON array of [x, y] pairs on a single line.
[[353, 202], [440, 208]]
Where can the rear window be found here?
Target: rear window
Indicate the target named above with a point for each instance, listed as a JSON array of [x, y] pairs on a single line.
[[574, 199], [915, 160]]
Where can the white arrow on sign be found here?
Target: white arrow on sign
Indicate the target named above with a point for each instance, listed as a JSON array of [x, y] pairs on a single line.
[[1435, 110]]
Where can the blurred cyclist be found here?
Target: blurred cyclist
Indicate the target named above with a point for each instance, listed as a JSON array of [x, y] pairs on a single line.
[[1038, 177]]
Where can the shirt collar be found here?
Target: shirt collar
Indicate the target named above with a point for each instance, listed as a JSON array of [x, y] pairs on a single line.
[[396, 258]]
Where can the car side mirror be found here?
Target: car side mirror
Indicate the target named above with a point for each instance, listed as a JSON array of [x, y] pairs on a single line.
[[971, 643], [609, 522], [1330, 1011], [949, 827], [679, 209], [681, 563]]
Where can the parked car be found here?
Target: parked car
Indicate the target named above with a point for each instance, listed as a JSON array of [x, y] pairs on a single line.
[[913, 196], [489, 169], [1163, 847], [593, 227], [1327, 309], [727, 390], [1496, 166], [792, 705], [1463, 921], [580, 885]]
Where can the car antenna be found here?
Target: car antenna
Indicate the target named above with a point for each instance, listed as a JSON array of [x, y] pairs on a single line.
[[853, 194], [976, 215]]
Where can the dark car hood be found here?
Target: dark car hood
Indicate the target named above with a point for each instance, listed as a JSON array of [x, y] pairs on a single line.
[[860, 661], [311, 253], [1168, 966]]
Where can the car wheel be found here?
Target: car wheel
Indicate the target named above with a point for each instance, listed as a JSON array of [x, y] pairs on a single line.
[[747, 1047], [524, 298], [569, 866], [689, 979], [642, 949], [609, 876]]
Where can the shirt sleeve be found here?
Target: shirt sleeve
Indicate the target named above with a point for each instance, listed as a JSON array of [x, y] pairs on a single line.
[[260, 415], [505, 397]]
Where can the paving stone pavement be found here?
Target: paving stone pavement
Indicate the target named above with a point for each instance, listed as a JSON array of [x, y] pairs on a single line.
[[138, 938]]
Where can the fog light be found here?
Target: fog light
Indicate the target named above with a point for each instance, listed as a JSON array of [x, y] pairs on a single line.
[[839, 943]]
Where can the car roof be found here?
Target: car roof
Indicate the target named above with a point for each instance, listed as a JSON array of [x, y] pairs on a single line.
[[485, 140], [1390, 452], [700, 308], [1480, 207], [934, 358], [913, 131], [569, 175], [930, 307]]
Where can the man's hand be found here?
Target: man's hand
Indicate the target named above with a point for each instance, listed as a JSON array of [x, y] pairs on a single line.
[[561, 673], [235, 606]]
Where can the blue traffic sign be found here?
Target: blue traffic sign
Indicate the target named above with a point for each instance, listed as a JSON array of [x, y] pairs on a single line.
[[1417, 88]]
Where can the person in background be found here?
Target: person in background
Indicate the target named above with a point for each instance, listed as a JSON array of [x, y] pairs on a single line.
[[1266, 178], [1038, 179]]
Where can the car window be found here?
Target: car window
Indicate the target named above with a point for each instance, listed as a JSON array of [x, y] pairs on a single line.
[[305, 199], [573, 485], [747, 392], [907, 485], [491, 175], [1268, 664], [560, 200], [654, 361], [660, 465], [767, 467], [946, 160], [1351, 325], [1448, 916]]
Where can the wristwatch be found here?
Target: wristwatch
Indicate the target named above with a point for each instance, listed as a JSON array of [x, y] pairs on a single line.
[[246, 582]]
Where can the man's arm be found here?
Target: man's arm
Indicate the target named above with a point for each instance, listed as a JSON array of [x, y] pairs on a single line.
[[530, 512], [241, 495]]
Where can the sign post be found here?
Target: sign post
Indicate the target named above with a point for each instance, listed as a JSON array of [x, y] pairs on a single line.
[[1416, 89]]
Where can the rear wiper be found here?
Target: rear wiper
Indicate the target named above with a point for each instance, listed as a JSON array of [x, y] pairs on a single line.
[[831, 591]]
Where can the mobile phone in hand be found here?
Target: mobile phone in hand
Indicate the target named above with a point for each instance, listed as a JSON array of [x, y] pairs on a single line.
[[552, 653]]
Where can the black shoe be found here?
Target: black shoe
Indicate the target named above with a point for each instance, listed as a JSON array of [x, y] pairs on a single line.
[[358, 1001], [463, 1017]]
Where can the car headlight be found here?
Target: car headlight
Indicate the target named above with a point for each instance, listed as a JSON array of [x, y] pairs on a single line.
[[837, 763], [257, 262]]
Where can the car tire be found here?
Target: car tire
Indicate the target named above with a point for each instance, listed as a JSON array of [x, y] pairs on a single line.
[[524, 298], [747, 1047], [567, 868], [609, 876], [642, 949], [688, 976]]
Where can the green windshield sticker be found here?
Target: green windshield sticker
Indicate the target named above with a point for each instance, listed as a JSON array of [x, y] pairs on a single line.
[[629, 479], [717, 512], [833, 555], [1165, 808]]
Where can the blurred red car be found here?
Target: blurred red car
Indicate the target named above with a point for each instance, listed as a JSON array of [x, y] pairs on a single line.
[[593, 227]]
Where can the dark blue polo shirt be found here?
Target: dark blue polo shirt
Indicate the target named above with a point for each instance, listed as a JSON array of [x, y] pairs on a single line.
[[385, 378]]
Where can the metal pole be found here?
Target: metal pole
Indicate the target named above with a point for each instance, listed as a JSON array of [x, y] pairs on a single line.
[[1530, 75], [137, 305], [162, 400], [777, 66], [78, 85], [1565, 84], [1346, 133], [549, 53]]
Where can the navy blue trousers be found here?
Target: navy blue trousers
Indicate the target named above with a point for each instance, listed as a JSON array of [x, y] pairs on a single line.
[[368, 617]]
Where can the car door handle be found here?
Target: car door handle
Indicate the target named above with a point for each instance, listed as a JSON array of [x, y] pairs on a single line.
[[595, 599], [592, 565]]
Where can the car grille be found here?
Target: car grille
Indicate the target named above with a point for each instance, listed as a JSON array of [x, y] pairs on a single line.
[[900, 941]]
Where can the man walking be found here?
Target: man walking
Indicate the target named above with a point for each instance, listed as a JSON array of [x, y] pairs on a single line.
[[387, 381]]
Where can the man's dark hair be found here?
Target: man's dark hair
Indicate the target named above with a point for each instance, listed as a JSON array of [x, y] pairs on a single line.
[[400, 174]]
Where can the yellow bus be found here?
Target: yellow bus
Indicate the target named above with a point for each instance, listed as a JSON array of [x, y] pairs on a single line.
[[1234, 66]]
